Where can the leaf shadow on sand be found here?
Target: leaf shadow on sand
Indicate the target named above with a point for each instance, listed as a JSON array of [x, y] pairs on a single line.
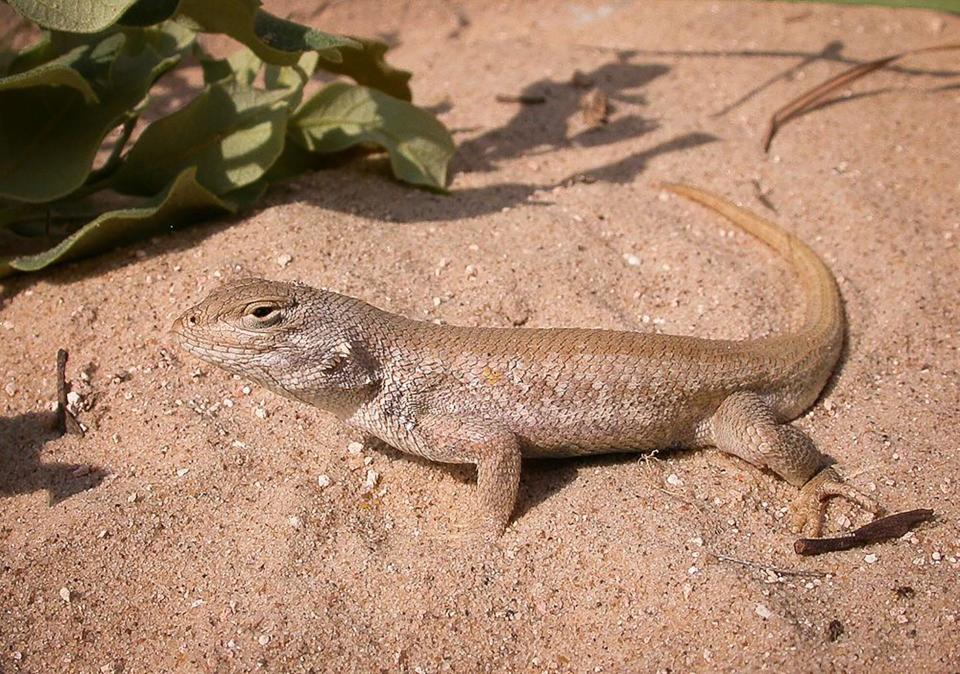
[[533, 132], [22, 470]]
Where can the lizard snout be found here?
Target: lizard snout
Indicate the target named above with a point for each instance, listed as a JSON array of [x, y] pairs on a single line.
[[185, 321]]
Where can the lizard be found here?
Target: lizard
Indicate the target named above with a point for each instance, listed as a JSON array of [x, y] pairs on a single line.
[[490, 396]]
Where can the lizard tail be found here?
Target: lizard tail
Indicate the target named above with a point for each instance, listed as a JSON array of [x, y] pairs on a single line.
[[818, 341]]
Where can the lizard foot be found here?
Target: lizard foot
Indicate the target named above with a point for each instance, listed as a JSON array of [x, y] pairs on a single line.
[[808, 509]]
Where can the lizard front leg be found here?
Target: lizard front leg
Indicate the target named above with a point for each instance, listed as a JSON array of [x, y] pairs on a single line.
[[745, 426], [492, 448]]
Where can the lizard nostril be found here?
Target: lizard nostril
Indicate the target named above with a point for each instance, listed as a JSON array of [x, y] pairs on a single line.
[[192, 320]]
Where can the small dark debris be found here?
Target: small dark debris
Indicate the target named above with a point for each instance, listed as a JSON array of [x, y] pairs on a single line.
[[905, 592], [594, 108], [834, 630]]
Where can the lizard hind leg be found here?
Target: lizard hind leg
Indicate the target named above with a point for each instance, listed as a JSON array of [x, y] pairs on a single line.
[[496, 453], [745, 426]]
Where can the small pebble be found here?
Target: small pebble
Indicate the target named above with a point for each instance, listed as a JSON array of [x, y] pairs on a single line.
[[263, 639], [323, 481], [870, 559], [295, 522], [260, 412], [182, 471], [65, 594], [355, 447], [674, 480], [763, 612], [372, 478], [631, 259], [284, 260]]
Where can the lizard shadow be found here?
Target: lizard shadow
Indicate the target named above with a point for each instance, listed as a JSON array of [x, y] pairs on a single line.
[[22, 470]]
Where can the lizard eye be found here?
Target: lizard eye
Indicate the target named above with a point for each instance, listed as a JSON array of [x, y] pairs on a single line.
[[261, 315]]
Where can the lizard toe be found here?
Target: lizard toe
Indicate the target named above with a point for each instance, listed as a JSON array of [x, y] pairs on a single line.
[[810, 506]]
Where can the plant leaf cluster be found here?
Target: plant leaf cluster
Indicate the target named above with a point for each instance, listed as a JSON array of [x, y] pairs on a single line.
[[71, 103]]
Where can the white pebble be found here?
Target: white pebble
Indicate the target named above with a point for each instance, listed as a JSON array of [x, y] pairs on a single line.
[[355, 447], [260, 412], [631, 259], [263, 639], [182, 471], [284, 260], [672, 479], [295, 522], [65, 594], [870, 559], [763, 612], [323, 481], [245, 390], [372, 478]]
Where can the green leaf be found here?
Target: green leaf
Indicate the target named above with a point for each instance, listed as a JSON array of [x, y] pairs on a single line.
[[291, 79], [342, 115], [49, 136], [273, 39], [366, 66], [75, 16], [231, 133], [59, 72], [242, 65], [184, 200], [148, 12]]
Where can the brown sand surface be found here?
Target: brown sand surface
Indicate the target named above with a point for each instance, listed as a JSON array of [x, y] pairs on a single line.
[[188, 532]]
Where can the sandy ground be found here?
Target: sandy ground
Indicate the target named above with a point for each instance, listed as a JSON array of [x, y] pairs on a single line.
[[188, 532]]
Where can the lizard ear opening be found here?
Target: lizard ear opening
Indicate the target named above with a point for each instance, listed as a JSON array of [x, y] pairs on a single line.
[[348, 367]]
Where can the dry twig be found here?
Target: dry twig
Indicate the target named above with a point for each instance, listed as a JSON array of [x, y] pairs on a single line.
[[885, 528], [816, 96], [65, 421], [766, 567]]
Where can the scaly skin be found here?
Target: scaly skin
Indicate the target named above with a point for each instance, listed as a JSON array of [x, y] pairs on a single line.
[[489, 396]]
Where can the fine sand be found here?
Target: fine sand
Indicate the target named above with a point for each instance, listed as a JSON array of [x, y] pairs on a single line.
[[187, 531]]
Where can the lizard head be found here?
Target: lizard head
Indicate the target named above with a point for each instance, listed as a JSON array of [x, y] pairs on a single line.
[[299, 341]]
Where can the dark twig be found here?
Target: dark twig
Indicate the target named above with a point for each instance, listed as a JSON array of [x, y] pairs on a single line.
[[885, 528], [65, 421], [815, 96]]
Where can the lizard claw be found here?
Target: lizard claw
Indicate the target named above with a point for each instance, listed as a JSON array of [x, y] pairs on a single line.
[[808, 509]]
